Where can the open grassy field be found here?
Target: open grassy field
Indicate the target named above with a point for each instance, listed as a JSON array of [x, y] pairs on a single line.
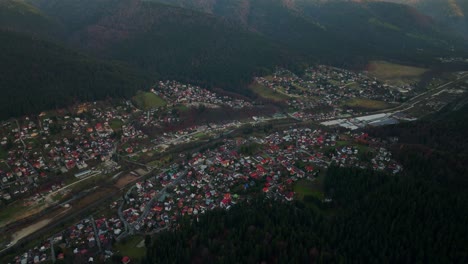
[[128, 247], [396, 74], [300, 87], [116, 124], [361, 148], [335, 82], [182, 108], [17, 211], [304, 188], [125, 180], [10, 211], [3, 153], [147, 100], [268, 93], [200, 135], [4, 166], [368, 104]]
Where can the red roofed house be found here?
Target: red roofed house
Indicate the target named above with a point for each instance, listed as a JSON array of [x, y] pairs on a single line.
[[290, 196], [254, 175], [99, 127], [70, 164], [126, 260]]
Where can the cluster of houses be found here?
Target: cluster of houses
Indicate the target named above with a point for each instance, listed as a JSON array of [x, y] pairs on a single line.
[[48, 146], [38, 254], [221, 177], [383, 162], [18, 169], [192, 96], [218, 178], [215, 178], [131, 139], [158, 118], [325, 86], [316, 116], [452, 59], [86, 239]]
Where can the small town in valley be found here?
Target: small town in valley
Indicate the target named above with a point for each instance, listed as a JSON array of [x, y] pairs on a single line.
[[90, 182]]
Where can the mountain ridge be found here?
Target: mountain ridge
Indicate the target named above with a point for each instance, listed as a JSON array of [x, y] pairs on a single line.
[[333, 22], [17, 15]]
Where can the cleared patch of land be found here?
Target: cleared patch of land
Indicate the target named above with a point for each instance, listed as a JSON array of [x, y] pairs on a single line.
[[125, 180], [147, 100], [396, 74], [307, 187], [368, 104], [129, 247], [182, 108], [3, 153], [17, 211], [95, 196], [28, 230], [200, 135], [267, 93], [116, 124], [374, 21]]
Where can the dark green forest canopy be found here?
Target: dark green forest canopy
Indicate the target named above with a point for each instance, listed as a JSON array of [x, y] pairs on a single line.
[[37, 75], [173, 42], [434, 148]]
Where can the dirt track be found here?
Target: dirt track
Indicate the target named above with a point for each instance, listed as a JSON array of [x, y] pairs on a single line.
[[126, 180], [22, 233]]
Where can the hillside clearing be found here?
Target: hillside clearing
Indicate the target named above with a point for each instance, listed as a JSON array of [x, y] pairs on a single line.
[[368, 104], [307, 187], [396, 74], [116, 124], [147, 100], [267, 93], [129, 247]]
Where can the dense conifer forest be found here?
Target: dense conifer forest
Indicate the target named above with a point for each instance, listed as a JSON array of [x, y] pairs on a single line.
[[37, 75]]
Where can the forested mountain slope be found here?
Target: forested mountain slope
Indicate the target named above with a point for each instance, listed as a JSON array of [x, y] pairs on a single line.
[[155, 40], [435, 147], [339, 31], [453, 13], [16, 15], [37, 75], [170, 41]]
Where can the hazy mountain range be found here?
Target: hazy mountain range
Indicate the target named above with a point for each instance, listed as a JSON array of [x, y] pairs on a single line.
[[453, 13]]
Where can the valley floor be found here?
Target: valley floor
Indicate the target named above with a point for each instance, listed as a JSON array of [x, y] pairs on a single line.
[[137, 167]]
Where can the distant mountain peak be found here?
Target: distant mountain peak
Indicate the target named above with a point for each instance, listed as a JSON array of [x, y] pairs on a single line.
[[457, 11]]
